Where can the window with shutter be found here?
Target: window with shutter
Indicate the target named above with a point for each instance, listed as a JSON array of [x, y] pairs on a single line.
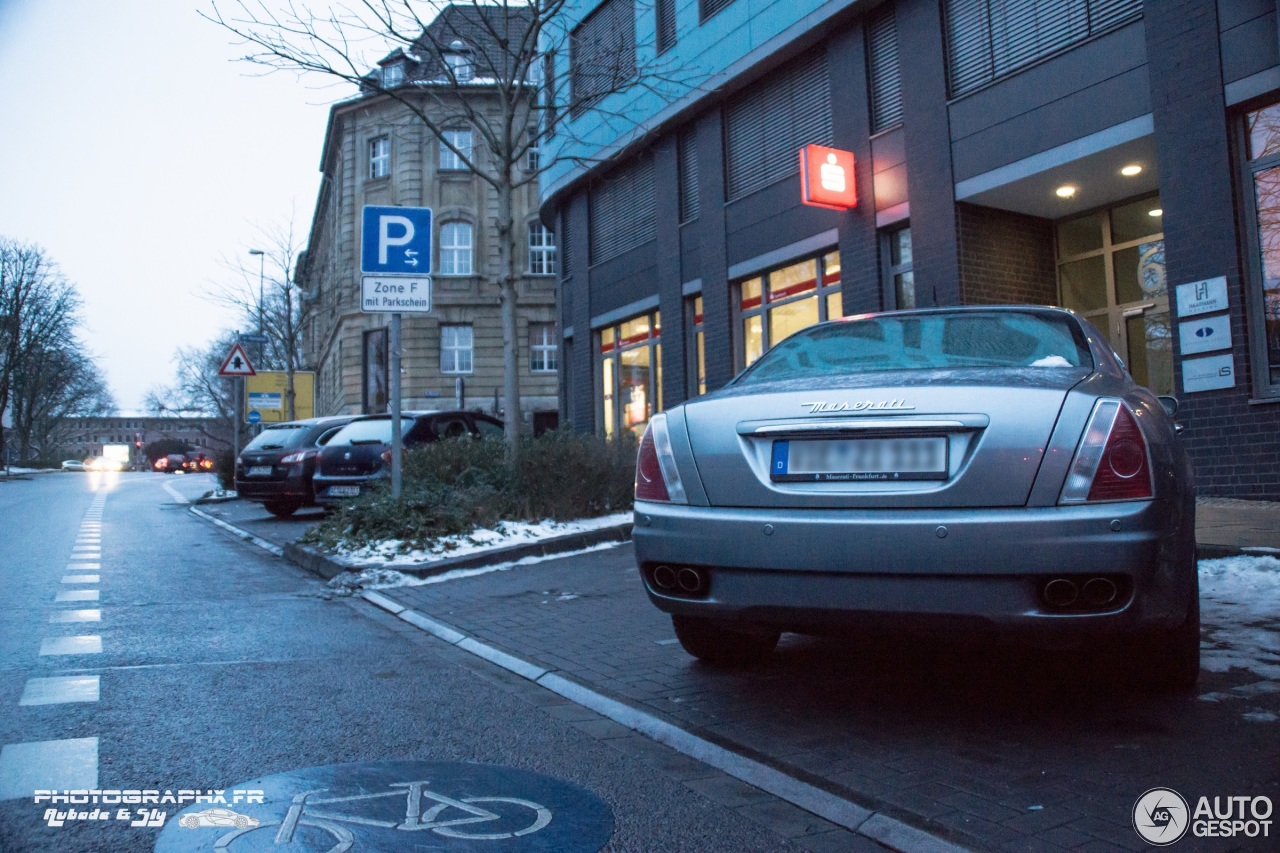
[[767, 125], [707, 8], [687, 154], [622, 213], [885, 76], [665, 14], [602, 53], [987, 39]]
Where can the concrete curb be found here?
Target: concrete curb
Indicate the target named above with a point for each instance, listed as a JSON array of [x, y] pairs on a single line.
[[879, 827], [1217, 552], [328, 567]]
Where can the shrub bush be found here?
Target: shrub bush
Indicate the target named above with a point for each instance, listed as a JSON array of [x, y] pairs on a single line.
[[453, 487]]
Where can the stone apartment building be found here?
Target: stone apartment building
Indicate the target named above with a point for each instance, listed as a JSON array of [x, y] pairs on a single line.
[[376, 152], [82, 437]]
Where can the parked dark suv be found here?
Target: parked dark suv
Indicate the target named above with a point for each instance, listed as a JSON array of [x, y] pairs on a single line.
[[275, 469], [361, 451]]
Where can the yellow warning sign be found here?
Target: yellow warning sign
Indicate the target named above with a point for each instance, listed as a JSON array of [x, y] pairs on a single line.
[[267, 394]]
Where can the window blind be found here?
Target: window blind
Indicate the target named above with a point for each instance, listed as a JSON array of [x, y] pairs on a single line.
[[622, 210], [602, 53], [687, 154], [885, 74]]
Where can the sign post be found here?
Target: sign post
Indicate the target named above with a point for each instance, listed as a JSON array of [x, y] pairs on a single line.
[[237, 366], [395, 262]]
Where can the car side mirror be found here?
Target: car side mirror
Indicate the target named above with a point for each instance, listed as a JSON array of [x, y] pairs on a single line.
[[1169, 403]]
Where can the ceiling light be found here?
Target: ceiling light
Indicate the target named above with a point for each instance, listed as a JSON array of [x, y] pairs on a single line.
[[1065, 191], [1131, 170], [1155, 212]]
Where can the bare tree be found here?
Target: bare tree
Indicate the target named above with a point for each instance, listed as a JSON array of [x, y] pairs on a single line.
[[501, 89], [265, 296], [198, 390], [45, 371]]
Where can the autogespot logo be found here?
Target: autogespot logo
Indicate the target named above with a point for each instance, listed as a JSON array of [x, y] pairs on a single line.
[[1160, 816]]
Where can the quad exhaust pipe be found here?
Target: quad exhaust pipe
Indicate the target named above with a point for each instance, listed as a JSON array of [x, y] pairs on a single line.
[[684, 580], [1091, 594]]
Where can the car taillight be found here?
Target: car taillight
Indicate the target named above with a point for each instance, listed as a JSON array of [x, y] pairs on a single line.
[[386, 456], [656, 476], [1112, 461], [295, 458]]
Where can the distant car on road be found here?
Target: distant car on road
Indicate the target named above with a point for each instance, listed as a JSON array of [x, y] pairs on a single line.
[[197, 462], [102, 463], [275, 469], [983, 470], [174, 463], [361, 452], [218, 817], [73, 465]]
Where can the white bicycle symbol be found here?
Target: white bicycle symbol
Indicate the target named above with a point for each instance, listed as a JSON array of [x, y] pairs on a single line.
[[303, 812]]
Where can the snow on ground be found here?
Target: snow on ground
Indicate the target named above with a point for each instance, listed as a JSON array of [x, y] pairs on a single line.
[[389, 553], [1240, 613], [383, 578]]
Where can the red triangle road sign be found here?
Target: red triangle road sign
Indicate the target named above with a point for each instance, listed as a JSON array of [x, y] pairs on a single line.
[[236, 363]]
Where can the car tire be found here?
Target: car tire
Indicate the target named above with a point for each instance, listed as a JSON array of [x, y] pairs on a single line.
[[1170, 660], [282, 509], [719, 642]]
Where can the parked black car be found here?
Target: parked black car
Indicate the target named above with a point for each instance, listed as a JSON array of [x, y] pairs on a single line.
[[275, 469], [362, 450]]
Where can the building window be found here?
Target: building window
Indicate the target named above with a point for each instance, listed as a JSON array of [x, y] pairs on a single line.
[[1262, 155], [708, 8], [602, 53], [460, 139], [392, 75], [884, 73], [697, 346], [455, 248], [379, 157], [768, 123], [622, 213], [687, 155], [1111, 270], [455, 348], [665, 24], [458, 62], [987, 39], [533, 157], [781, 302], [542, 347], [900, 278], [542, 250], [630, 370], [374, 392]]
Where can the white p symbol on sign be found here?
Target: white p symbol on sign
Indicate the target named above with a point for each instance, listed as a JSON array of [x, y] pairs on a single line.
[[386, 241]]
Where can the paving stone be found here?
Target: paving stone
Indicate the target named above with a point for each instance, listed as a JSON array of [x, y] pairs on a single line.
[[785, 819], [840, 841], [727, 791]]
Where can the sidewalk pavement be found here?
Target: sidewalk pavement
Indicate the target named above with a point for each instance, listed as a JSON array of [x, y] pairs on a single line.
[[1227, 526]]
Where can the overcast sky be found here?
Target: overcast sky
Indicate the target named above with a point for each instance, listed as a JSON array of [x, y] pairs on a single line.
[[143, 158]]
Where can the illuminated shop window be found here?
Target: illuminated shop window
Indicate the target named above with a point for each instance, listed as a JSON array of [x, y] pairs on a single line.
[[630, 374], [781, 302]]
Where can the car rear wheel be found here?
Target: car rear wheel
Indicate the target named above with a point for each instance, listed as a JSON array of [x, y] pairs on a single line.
[[282, 509], [720, 642], [1170, 660]]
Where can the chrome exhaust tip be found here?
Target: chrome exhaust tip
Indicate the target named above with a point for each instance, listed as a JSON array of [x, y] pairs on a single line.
[[690, 580], [664, 577], [1098, 592], [1060, 592]]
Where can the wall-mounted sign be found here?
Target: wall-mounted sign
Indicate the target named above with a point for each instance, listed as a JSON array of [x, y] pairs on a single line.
[[827, 178], [1208, 374], [1205, 335], [1202, 297]]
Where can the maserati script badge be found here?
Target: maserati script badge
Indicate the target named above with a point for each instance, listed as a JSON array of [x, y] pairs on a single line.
[[859, 406]]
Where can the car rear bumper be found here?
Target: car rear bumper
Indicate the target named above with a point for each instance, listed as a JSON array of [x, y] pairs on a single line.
[[261, 489], [321, 484], [982, 569]]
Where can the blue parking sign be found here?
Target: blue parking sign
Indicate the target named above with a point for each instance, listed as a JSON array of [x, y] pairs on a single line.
[[395, 240]]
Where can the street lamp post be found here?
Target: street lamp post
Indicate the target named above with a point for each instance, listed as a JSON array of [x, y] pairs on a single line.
[[262, 346]]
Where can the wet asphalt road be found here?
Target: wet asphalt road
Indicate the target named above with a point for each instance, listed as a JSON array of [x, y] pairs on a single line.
[[220, 664]]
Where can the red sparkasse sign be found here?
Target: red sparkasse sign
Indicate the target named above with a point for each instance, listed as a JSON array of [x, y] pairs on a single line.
[[827, 177]]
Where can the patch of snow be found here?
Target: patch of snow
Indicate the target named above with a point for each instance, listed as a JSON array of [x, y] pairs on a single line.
[[1051, 361], [1240, 613], [1260, 716], [390, 552]]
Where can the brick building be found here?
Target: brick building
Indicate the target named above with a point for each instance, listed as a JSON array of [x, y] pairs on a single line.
[[1118, 157], [376, 152], [82, 437]]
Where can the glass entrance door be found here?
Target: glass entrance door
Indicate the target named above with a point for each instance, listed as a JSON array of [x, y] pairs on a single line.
[[1111, 270]]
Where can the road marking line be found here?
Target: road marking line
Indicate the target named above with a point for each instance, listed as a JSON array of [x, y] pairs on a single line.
[[811, 798], [177, 496], [78, 595], [80, 578], [48, 765], [83, 567], [269, 547], [90, 615], [60, 690], [90, 644]]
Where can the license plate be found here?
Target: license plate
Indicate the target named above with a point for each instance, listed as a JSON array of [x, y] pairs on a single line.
[[344, 491], [259, 471], [852, 459]]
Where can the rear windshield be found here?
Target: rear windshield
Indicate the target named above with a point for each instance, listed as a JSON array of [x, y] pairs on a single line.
[[944, 341], [276, 438], [362, 432]]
